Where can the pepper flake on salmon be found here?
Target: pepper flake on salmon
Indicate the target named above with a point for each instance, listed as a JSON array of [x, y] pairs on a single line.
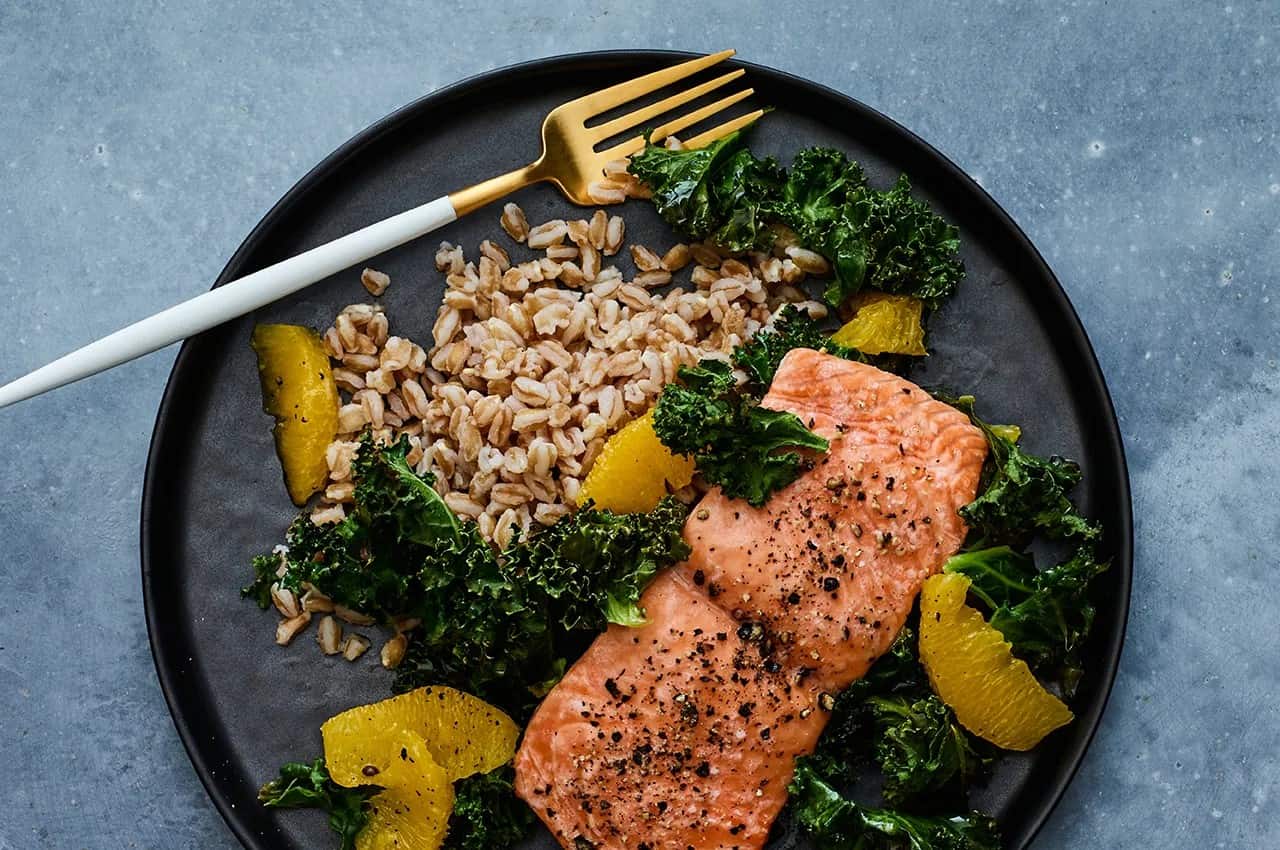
[[682, 733]]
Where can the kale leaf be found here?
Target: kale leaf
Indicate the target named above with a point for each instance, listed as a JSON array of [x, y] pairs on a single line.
[[1022, 494], [886, 240], [734, 441], [761, 355], [487, 815], [620, 553], [892, 242], [744, 190], [841, 824], [921, 748], [302, 785], [891, 717], [1045, 614], [819, 184], [719, 190], [264, 575]]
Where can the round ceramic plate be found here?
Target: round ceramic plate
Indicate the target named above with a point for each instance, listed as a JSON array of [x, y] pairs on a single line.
[[214, 495]]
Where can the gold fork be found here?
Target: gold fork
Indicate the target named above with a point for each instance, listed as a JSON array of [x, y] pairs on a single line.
[[569, 160]]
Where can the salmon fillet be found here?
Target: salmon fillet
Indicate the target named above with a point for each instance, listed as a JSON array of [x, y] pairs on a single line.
[[682, 733], [675, 734], [831, 565]]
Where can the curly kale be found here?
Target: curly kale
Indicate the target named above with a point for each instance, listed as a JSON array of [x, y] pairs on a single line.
[[620, 552], [841, 824], [720, 191], [886, 240], [502, 628], [734, 442], [921, 748], [487, 815], [761, 355], [264, 575], [303, 785], [1044, 614], [1021, 494], [891, 717]]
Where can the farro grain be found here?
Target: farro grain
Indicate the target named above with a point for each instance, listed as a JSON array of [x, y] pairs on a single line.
[[704, 255], [547, 234], [329, 636], [677, 257], [287, 630], [560, 253], [393, 651], [607, 192], [514, 222], [808, 261], [614, 234], [354, 647], [375, 282], [645, 259], [654, 278]]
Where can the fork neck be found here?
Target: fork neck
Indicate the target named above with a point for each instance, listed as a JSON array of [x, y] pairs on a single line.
[[474, 197]]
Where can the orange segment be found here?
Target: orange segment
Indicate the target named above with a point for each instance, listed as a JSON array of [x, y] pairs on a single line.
[[412, 813], [972, 669], [884, 324], [463, 734], [634, 470], [298, 390]]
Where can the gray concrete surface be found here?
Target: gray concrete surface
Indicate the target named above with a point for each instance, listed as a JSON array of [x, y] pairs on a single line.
[[1135, 142]]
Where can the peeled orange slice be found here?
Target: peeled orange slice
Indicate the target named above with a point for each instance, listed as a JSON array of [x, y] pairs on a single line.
[[884, 324], [972, 669], [634, 470], [298, 390], [463, 734], [412, 812]]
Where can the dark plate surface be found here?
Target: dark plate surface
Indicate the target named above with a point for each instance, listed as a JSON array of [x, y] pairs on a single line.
[[214, 496]]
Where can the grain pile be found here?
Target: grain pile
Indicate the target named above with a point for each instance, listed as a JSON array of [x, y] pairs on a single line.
[[533, 363]]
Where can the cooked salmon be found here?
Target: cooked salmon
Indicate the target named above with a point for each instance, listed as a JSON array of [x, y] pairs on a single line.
[[682, 733], [679, 733], [831, 565]]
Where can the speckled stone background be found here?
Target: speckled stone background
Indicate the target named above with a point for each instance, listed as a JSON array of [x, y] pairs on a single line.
[[1135, 142]]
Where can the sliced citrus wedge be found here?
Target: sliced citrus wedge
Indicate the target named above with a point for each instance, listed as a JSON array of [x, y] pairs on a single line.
[[634, 470], [412, 811], [884, 324], [298, 390], [463, 734], [973, 670]]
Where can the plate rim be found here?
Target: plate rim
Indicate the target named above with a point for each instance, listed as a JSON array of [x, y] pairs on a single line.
[[1121, 538]]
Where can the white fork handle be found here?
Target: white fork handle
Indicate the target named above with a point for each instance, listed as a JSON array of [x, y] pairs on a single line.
[[231, 300]]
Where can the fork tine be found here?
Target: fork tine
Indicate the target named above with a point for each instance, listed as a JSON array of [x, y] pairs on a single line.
[[724, 129], [675, 125], [639, 116], [605, 99]]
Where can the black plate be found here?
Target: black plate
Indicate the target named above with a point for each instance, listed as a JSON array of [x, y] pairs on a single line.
[[214, 497]]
